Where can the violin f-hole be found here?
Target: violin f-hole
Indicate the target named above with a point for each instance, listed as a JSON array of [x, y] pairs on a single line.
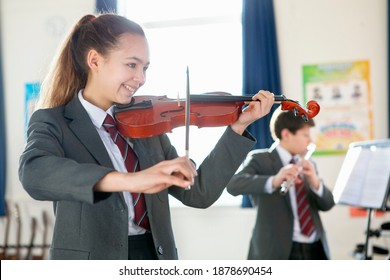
[[163, 114]]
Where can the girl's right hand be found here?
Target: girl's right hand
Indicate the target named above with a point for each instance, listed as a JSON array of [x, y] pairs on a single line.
[[179, 172]]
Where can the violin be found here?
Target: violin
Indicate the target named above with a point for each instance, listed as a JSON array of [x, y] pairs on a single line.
[[149, 115]]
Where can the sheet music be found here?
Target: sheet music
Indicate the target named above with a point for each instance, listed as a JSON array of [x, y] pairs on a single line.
[[347, 188], [364, 177]]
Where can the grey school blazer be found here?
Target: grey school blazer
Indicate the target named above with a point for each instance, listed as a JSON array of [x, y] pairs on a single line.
[[64, 158], [273, 230]]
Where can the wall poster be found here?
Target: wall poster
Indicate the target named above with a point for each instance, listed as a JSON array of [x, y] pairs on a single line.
[[344, 94]]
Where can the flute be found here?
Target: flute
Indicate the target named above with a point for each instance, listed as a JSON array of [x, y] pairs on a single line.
[[286, 185]]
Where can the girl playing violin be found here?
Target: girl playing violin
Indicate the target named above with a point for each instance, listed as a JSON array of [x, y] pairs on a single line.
[[73, 158]]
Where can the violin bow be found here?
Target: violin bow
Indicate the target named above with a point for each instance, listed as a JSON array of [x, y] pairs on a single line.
[[187, 115], [187, 119]]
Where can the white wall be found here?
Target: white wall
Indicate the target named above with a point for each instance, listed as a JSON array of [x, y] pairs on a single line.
[[321, 31], [31, 32], [309, 32]]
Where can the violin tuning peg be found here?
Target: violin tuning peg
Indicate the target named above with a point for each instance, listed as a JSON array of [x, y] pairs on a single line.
[[305, 118], [295, 111]]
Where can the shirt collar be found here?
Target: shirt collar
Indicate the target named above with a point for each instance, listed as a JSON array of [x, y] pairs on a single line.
[[96, 114], [285, 155]]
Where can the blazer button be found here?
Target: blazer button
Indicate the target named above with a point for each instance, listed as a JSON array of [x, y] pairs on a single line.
[[160, 250]]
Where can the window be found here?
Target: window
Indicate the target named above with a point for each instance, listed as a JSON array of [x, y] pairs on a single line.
[[204, 35]]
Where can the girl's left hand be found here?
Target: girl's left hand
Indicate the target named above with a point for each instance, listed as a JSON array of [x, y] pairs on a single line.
[[256, 109]]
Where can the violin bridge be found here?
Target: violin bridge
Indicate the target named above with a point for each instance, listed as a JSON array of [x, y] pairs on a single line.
[[178, 99]]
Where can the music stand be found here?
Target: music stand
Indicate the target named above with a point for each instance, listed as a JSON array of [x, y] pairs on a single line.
[[363, 180]]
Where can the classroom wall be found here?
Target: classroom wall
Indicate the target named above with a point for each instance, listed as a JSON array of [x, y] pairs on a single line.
[[309, 32], [31, 32]]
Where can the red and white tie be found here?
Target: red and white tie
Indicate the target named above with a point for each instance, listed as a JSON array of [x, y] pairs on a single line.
[[304, 215], [131, 163]]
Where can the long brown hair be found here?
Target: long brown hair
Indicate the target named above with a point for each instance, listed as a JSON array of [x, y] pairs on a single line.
[[69, 70]]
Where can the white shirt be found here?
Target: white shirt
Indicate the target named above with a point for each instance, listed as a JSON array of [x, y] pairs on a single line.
[[97, 116], [286, 157]]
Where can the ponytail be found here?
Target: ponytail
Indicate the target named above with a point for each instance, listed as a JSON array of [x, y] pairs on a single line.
[[69, 70]]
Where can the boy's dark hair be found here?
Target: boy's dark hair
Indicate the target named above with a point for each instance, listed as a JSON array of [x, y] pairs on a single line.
[[287, 119]]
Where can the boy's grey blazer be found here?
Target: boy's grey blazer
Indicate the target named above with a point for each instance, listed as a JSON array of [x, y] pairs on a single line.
[[65, 157], [273, 230]]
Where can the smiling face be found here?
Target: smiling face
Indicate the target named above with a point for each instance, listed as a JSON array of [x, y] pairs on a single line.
[[116, 77]]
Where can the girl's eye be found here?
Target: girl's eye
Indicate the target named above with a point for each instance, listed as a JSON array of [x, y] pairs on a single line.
[[146, 68], [131, 65]]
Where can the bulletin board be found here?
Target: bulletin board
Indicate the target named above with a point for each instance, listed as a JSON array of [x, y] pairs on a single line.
[[344, 93]]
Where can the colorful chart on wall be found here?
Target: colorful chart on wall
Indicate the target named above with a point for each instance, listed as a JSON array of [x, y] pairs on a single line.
[[344, 94]]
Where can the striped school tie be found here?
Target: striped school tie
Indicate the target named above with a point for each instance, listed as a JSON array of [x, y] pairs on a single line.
[[304, 215], [131, 163]]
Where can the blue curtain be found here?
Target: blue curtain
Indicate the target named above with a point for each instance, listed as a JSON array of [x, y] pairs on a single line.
[[106, 6], [260, 59], [260, 62], [3, 156]]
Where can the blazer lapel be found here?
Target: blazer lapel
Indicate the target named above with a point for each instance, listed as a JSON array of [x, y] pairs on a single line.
[[276, 165], [276, 161], [84, 129], [142, 148]]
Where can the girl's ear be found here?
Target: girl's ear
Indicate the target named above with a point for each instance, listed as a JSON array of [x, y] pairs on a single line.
[[93, 59]]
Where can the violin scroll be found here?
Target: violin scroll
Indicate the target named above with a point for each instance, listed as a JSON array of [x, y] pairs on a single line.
[[313, 108]]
